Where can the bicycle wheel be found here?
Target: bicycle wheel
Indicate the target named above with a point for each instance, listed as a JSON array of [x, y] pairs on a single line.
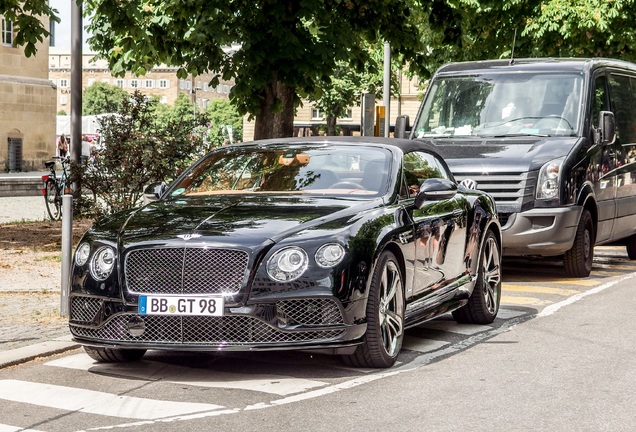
[[53, 200]]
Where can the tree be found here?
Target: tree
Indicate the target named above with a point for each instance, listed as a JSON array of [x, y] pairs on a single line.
[[220, 113], [286, 46], [26, 16], [136, 149], [336, 93], [102, 98]]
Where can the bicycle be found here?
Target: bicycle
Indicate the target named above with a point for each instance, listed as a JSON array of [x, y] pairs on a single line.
[[54, 187]]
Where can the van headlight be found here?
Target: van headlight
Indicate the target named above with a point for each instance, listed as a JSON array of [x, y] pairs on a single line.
[[287, 264], [102, 263], [548, 181]]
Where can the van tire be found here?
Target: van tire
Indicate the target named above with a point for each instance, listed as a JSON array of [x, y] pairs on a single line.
[[578, 260], [630, 244]]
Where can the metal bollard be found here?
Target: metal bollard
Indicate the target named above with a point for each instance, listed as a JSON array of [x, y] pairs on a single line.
[[67, 252]]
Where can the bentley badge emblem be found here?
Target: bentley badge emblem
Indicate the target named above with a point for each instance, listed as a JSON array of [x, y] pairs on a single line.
[[187, 237]]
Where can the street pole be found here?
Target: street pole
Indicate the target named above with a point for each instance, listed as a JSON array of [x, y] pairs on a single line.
[[387, 89], [76, 153]]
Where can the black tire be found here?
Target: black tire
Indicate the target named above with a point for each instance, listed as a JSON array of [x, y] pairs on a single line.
[[53, 200], [631, 247], [385, 317], [114, 355], [483, 304], [578, 260]]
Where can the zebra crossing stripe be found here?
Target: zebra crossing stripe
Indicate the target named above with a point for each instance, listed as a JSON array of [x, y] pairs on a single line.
[[95, 402], [9, 428]]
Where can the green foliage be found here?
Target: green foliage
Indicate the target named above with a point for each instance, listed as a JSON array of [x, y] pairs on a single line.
[[25, 15], [135, 151], [343, 89], [287, 47], [219, 114], [102, 98]]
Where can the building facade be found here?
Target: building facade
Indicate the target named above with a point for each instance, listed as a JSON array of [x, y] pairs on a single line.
[[27, 104], [161, 81]]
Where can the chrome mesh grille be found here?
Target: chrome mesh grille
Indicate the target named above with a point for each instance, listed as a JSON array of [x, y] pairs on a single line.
[[233, 330], [84, 309], [185, 270], [309, 312]]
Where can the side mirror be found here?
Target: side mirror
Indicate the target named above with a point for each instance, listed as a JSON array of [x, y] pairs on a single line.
[[607, 125], [153, 192], [402, 127], [435, 189]]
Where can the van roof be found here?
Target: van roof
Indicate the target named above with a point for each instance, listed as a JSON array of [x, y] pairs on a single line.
[[533, 64]]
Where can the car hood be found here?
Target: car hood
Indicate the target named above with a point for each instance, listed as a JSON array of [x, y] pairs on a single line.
[[240, 221], [517, 154]]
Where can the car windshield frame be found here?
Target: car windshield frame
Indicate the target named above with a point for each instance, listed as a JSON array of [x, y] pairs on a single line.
[[360, 172], [499, 104]]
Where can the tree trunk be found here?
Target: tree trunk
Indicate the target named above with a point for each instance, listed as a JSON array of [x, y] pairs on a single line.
[[331, 125], [273, 122]]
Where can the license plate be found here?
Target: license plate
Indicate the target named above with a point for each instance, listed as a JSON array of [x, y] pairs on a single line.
[[181, 305]]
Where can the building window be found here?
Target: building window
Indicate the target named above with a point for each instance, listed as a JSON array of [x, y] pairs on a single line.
[[316, 114], [106, 80], [64, 83], [7, 32], [119, 83], [348, 115], [164, 83], [149, 83], [134, 83], [63, 99], [206, 87]]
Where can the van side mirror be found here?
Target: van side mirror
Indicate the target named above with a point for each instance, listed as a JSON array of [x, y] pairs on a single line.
[[402, 127], [607, 124]]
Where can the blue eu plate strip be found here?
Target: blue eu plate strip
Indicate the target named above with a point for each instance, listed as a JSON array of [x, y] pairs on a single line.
[[142, 304]]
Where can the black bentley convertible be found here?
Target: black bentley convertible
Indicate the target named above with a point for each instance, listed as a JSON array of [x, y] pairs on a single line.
[[322, 243]]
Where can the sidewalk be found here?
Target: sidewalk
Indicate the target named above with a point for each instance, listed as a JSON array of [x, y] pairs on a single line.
[[30, 325]]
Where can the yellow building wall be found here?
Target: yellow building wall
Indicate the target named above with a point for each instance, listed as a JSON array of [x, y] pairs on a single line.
[[27, 104]]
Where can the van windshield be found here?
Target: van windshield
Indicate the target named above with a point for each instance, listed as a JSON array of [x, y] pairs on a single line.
[[546, 104]]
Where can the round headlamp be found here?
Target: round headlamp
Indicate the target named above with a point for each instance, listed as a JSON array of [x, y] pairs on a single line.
[[329, 255], [287, 264], [102, 263], [82, 253]]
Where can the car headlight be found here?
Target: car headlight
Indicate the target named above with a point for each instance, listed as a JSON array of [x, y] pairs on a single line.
[[82, 253], [548, 181], [102, 263], [329, 255], [287, 264]]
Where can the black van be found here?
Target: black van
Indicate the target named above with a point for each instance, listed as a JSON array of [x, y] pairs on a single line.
[[552, 140]]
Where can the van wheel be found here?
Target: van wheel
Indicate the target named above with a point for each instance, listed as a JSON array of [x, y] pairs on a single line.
[[631, 247], [578, 260]]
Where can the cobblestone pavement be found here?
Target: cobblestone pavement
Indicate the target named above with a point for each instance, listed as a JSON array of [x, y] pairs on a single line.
[[30, 312]]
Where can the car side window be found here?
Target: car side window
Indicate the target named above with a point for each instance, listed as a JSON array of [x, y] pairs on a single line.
[[417, 167]]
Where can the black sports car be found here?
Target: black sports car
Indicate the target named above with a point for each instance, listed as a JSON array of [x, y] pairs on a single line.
[[303, 243]]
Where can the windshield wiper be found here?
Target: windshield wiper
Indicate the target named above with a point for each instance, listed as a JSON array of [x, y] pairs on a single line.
[[520, 134]]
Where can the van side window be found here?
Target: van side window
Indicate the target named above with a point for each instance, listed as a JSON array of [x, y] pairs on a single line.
[[600, 99], [623, 92]]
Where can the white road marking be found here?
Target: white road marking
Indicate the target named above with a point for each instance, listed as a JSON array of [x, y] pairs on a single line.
[[155, 371], [95, 402], [549, 310], [9, 428]]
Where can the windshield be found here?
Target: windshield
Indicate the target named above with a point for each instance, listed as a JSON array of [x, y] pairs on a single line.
[[323, 170], [502, 105]]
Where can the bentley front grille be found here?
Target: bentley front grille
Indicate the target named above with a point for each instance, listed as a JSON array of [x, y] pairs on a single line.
[[313, 311], [84, 309], [185, 271], [231, 330]]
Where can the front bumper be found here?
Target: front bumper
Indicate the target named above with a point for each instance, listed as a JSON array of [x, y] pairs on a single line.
[[541, 231], [308, 323]]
